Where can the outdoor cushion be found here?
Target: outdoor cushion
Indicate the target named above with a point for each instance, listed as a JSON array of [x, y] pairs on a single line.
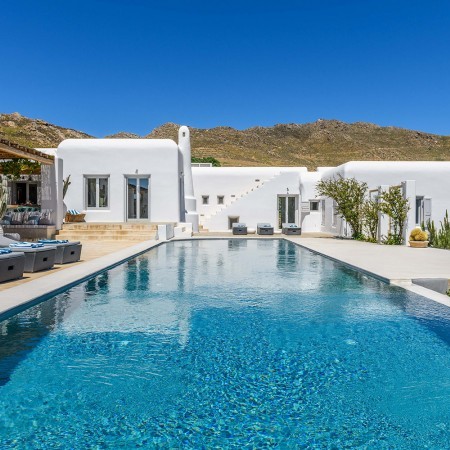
[[17, 218], [46, 217], [26, 245]]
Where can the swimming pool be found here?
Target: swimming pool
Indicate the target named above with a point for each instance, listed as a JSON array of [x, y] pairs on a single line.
[[227, 343]]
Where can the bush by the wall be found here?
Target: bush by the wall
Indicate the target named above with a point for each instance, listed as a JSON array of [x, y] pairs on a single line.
[[439, 238]]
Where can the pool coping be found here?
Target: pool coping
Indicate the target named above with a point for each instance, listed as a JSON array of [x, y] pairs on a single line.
[[19, 298]]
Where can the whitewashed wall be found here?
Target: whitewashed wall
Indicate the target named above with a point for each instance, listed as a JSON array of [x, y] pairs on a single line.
[[117, 158], [249, 193], [432, 179]]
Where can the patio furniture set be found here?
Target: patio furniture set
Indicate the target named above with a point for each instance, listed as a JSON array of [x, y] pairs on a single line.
[[266, 229], [18, 257]]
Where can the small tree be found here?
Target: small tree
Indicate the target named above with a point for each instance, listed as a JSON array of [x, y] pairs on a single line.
[[348, 193], [396, 207], [66, 184], [370, 210]]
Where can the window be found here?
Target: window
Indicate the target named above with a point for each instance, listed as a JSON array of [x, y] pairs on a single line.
[[205, 199], [419, 211], [220, 199], [314, 205], [97, 191]]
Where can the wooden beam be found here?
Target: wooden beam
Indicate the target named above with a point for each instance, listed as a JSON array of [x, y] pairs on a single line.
[[11, 150]]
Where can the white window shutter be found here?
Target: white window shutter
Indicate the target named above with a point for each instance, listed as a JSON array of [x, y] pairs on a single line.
[[427, 209]]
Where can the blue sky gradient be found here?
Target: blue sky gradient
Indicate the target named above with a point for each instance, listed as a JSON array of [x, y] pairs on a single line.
[[103, 66]]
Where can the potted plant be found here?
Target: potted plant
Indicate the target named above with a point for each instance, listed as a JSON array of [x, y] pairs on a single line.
[[418, 238]]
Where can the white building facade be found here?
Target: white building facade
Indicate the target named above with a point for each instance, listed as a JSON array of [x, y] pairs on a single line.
[[151, 180]]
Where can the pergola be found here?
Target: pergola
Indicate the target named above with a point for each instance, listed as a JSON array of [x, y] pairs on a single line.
[[11, 150]]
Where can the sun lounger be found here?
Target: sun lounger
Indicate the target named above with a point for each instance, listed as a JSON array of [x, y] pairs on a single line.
[[239, 228], [291, 228], [37, 256], [12, 265], [264, 229], [66, 252]]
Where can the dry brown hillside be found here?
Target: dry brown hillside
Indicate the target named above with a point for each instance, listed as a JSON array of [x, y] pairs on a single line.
[[35, 132], [321, 143]]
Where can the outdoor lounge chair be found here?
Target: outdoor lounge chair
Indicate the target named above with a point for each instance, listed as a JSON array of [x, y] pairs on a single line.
[[264, 229], [239, 228], [12, 265], [73, 215], [37, 257], [66, 252], [291, 228]]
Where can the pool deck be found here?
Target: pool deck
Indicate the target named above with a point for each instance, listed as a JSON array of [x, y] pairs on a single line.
[[397, 265]]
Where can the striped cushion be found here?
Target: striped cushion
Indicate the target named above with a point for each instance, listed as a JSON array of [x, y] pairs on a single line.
[[73, 212]]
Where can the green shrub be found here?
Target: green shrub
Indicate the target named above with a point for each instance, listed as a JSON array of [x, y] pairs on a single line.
[[370, 210], [396, 207], [209, 159], [439, 238], [348, 193]]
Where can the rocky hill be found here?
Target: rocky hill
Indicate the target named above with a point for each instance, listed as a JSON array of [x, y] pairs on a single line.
[[321, 143], [35, 132]]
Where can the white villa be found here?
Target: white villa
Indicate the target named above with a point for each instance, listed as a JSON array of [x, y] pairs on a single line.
[[152, 180]]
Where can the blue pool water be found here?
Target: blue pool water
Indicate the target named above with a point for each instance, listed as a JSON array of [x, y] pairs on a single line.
[[227, 344]]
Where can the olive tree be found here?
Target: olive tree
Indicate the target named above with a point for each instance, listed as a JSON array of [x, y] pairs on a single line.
[[349, 194], [370, 210], [396, 207]]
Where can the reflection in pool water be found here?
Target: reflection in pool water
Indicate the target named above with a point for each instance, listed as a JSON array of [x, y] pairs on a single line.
[[227, 343]]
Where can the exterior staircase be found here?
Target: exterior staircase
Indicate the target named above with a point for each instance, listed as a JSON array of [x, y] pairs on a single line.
[[206, 220], [89, 231]]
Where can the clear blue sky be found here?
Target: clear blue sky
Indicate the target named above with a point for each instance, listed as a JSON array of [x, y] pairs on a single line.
[[103, 66]]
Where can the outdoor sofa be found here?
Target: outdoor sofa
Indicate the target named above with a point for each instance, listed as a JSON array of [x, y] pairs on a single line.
[[37, 257], [239, 228], [264, 229], [66, 252], [291, 229], [12, 265]]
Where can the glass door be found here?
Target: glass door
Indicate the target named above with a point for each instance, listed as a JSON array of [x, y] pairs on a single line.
[[137, 198], [287, 209]]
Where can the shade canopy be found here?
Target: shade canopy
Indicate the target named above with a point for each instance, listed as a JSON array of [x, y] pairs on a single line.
[[11, 150]]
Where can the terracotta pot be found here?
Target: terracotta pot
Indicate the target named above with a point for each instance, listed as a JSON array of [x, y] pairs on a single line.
[[418, 244]]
